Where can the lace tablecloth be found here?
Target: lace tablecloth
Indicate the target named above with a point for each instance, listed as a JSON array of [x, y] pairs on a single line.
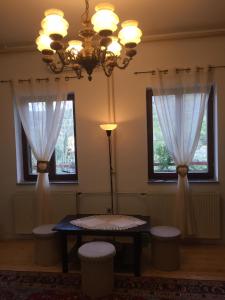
[[108, 222]]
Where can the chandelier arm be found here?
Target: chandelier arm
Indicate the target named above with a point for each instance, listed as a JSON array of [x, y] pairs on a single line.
[[56, 69], [108, 69], [78, 72], [124, 63], [101, 54], [63, 57]]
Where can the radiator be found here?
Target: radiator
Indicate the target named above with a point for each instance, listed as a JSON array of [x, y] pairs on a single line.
[[23, 212], [206, 208], [207, 211], [62, 203]]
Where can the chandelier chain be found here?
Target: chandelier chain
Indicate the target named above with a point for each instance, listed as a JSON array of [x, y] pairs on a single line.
[[85, 16]]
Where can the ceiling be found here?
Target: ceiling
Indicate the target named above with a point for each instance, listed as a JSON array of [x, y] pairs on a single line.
[[20, 20]]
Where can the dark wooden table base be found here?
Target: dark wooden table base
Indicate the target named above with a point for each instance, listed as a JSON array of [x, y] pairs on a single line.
[[65, 228]]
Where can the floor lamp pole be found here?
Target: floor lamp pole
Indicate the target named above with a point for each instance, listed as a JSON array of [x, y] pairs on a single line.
[[108, 132], [108, 129]]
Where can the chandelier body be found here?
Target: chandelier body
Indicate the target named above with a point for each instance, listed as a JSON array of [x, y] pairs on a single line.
[[97, 47]]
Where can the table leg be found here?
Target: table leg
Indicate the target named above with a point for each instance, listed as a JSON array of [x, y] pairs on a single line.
[[64, 252], [137, 254], [79, 241]]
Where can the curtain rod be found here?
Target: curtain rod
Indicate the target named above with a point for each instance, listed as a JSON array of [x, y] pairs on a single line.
[[38, 79], [153, 72], [177, 70]]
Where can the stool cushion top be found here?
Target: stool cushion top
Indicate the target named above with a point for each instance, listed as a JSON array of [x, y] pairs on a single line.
[[96, 250], [44, 230], [165, 231]]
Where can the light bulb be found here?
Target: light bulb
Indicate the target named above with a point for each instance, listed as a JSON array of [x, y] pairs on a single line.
[[54, 24], [75, 46], [130, 34], [115, 46], [43, 43], [105, 20]]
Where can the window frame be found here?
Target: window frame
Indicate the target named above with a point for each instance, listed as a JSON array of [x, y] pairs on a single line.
[[210, 143], [26, 155]]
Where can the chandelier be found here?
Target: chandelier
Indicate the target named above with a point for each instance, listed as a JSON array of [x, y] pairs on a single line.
[[97, 46]]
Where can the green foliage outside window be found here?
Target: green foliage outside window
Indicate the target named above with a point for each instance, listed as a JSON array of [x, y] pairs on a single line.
[[163, 158]]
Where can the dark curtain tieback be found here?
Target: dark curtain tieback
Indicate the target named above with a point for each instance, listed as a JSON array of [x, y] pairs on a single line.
[[42, 166]]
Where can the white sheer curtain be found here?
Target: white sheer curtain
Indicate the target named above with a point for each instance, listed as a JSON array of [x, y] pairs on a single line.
[[41, 106], [181, 101]]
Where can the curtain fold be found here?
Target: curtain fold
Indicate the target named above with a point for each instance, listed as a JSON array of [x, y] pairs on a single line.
[[41, 107], [181, 100]]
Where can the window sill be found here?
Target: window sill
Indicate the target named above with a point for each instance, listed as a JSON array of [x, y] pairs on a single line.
[[51, 183], [159, 181]]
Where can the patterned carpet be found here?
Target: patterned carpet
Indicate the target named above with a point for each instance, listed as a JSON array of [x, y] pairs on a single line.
[[16, 285]]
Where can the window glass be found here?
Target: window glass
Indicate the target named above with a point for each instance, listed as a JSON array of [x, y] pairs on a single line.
[[65, 146], [163, 161], [63, 164], [160, 162]]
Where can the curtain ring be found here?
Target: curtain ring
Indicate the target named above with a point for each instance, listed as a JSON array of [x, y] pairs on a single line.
[[182, 170], [42, 166]]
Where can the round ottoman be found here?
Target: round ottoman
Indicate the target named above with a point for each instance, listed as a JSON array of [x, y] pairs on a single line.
[[97, 268], [165, 247], [46, 246]]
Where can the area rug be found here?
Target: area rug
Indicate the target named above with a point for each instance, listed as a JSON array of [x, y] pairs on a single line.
[[16, 285]]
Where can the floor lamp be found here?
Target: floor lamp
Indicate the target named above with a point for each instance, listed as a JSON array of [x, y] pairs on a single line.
[[108, 129]]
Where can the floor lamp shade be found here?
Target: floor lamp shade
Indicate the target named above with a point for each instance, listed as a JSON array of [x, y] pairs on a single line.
[[108, 127]]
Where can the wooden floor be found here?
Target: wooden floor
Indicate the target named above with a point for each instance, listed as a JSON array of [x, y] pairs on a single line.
[[197, 261]]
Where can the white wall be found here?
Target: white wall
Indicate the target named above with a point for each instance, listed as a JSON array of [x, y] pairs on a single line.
[[91, 110]]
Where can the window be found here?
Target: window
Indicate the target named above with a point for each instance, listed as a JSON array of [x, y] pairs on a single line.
[[160, 163], [63, 163]]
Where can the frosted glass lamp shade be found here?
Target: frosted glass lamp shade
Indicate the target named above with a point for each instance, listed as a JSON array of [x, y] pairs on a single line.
[[130, 34], [43, 43], [108, 126], [75, 46], [54, 24], [115, 46], [105, 20]]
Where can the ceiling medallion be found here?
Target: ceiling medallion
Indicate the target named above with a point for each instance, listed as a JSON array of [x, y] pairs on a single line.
[[97, 47]]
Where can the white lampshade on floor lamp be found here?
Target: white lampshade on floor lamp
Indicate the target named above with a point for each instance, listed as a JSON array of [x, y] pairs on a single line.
[[109, 127]]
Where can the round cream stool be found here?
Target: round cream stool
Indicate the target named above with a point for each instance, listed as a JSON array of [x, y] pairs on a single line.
[[46, 247], [165, 247], [97, 268]]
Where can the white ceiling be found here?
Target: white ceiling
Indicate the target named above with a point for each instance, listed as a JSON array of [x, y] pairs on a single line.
[[20, 19]]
